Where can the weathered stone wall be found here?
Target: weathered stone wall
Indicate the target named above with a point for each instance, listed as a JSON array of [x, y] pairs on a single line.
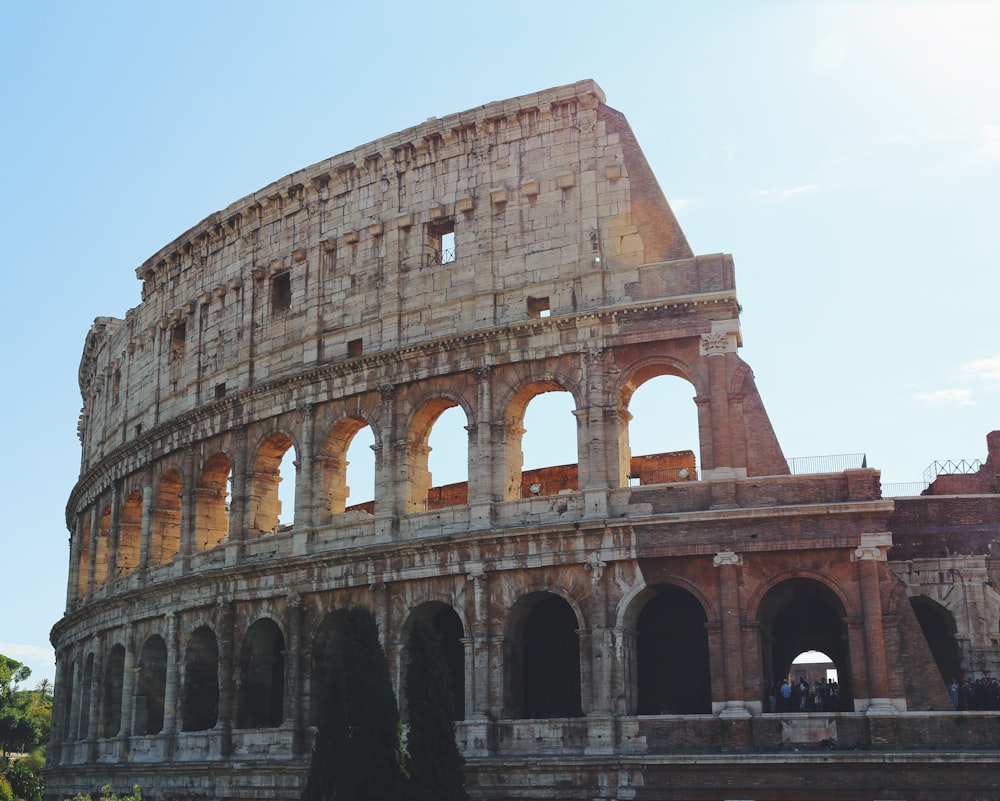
[[198, 626]]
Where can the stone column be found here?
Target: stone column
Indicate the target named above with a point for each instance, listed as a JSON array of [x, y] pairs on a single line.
[[388, 479], [294, 684], [304, 491], [189, 497], [600, 724], [146, 542], [128, 692], [114, 536], [729, 565], [873, 550], [228, 664], [481, 491], [92, 561], [172, 692], [238, 499], [73, 583], [716, 347]]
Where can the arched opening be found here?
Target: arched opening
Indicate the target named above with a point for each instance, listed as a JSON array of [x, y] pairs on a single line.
[[267, 500], [939, 627], [84, 568], [85, 689], [662, 440], [212, 500], [540, 453], [543, 660], [326, 650], [262, 676], [167, 518], [448, 626], [111, 702], [130, 533], [672, 662], [437, 447], [150, 686], [813, 685], [103, 552], [348, 465], [200, 699], [796, 616], [70, 695]]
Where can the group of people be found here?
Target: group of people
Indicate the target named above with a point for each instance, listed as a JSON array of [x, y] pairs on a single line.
[[799, 696], [983, 694]]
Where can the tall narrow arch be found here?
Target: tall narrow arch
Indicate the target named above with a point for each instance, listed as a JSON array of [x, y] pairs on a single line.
[[111, 700], [419, 479], [86, 688], [130, 533], [150, 686], [325, 652], [212, 502], [200, 697], [83, 576], [103, 541], [347, 445], [803, 614], [672, 655], [167, 518], [939, 628], [269, 470], [262, 676], [448, 627], [543, 659]]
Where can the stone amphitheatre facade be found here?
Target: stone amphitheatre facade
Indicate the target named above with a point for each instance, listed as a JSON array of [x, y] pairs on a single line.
[[611, 630]]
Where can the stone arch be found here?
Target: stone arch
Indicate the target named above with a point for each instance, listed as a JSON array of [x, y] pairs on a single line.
[[515, 404], [940, 630], [635, 375], [86, 687], [111, 695], [212, 502], [333, 488], [542, 658], [150, 686], [265, 505], [167, 517], [450, 628], [200, 696], [324, 654], [83, 577], [130, 533], [672, 666], [799, 614], [103, 551], [262, 676], [425, 414]]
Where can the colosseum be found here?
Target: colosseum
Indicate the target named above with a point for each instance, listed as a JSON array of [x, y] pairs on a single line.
[[617, 628]]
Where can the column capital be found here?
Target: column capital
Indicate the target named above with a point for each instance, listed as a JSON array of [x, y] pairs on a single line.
[[727, 558], [873, 547]]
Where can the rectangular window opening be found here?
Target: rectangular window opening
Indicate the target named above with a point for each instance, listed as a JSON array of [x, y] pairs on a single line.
[[220, 391], [177, 338], [440, 242], [354, 348], [634, 481], [281, 292], [538, 307]]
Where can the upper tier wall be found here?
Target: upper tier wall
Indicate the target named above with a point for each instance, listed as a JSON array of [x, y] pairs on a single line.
[[552, 206]]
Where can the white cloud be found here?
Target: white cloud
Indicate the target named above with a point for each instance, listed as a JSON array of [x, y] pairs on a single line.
[[783, 193], [987, 369], [958, 397], [27, 653]]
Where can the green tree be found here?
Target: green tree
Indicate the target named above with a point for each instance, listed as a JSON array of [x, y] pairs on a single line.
[[358, 754], [434, 764], [107, 795]]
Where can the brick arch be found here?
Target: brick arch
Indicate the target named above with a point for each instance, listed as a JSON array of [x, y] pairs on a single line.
[[630, 606], [636, 373], [760, 592]]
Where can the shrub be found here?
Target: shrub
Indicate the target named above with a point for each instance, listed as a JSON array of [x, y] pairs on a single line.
[[6, 793]]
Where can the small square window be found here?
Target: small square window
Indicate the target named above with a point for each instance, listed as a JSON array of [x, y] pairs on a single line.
[[178, 336], [281, 292], [354, 348], [538, 307], [440, 242], [634, 481], [220, 391]]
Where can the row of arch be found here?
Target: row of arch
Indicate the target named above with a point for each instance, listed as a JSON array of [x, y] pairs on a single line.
[[544, 658], [251, 489]]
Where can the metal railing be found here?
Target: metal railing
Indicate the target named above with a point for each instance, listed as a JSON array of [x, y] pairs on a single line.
[[835, 463], [903, 489], [952, 467]]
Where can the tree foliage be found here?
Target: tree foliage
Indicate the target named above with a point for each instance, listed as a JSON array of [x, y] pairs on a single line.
[[108, 795], [358, 753], [25, 715], [434, 765]]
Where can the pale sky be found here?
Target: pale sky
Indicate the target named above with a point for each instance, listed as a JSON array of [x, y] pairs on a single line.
[[846, 153]]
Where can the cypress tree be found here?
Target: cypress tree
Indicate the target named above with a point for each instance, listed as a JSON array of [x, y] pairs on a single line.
[[434, 764], [358, 752]]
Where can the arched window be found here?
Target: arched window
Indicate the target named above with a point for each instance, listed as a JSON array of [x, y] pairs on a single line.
[[114, 679], [274, 464], [939, 627], [661, 443], [348, 465], [543, 662], [212, 502], [262, 676], [801, 615], [437, 456], [540, 453], [672, 664], [150, 686], [200, 700], [130, 533], [167, 518], [448, 626]]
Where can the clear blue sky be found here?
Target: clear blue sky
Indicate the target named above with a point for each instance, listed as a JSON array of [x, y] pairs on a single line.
[[846, 153]]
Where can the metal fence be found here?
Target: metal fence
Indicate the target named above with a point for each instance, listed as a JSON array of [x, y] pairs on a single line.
[[903, 489], [951, 467], [827, 464]]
